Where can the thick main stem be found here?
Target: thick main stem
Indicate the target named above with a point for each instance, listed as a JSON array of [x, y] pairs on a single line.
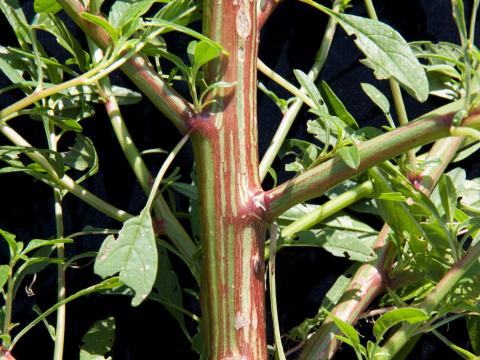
[[232, 234]]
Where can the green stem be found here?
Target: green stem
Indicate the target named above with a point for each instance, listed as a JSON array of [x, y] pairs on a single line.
[[65, 182], [172, 227], [61, 268], [284, 83], [314, 182], [7, 320], [104, 285], [293, 110], [163, 169], [396, 93], [466, 132], [88, 78], [431, 302], [369, 280], [473, 18], [138, 69], [329, 208], [273, 292]]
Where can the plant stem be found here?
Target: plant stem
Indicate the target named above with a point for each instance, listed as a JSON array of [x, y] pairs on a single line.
[[138, 69], [61, 268], [232, 232], [370, 278], [172, 227], [430, 303], [314, 182], [163, 170], [284, 83], [329, 208], [65, 182], [294, 109], [265, 9], [397, 96], [273, 292]]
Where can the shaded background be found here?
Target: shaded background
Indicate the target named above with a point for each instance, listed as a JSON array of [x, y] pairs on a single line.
[[289, 41]]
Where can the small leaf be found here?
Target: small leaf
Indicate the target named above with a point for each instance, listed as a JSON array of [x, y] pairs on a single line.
[[124, 12], [337, 106], [82, 154], [347, 330], [377, 97], [392, 196], [98, 340], [448, 196], [133, 255], [350, 155], [391, 318], [35, 244], [126, 96], [12, 243], [473, 328], [104, 24], [203, 53], [4, 274], [311, 90], [46, 6]]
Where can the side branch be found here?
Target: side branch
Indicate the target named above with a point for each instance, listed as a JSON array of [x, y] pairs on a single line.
[[265, 9], [138, 69], [315, 182]]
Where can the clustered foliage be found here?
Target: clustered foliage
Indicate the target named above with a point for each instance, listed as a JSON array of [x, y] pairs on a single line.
[[430, 244]]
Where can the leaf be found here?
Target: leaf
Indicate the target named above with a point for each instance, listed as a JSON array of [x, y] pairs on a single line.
[[104, 24], [388, 54], [347, 330], [310, 89], [82, 154], [473, 328], [124, 12], [98, 340], [188, 190], [392, 196], [133, 255], [350, 155], [46, 6], [4, 275], [448, 196], [126, 96], [377, 97], [337, 107], [35, 244], [12, 243], [204, 52], [393, 317]]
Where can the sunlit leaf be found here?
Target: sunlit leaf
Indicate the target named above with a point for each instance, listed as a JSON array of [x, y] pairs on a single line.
[[133, 254], [393, 317], [377, 97], [104, 24], [46, 6], [350, 155]]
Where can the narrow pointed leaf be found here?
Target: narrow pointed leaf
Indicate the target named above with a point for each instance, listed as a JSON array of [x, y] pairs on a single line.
[[133, 254], [103, 23], [391, 318]]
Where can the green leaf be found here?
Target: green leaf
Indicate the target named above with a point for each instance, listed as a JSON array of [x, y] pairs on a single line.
[[46, 6], [82, 154], [133, 255], [311, 90], [98, 340], [473, 328], [35, 244], [4, 275], [393, 317], [64, 37], [204, 52], [448, 195], [377, 97], [350, 155], [124, 12], [347, 330], [126, 96], [12, 243], [104, 24], [388, 54], [336, 105], [392, 196]]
